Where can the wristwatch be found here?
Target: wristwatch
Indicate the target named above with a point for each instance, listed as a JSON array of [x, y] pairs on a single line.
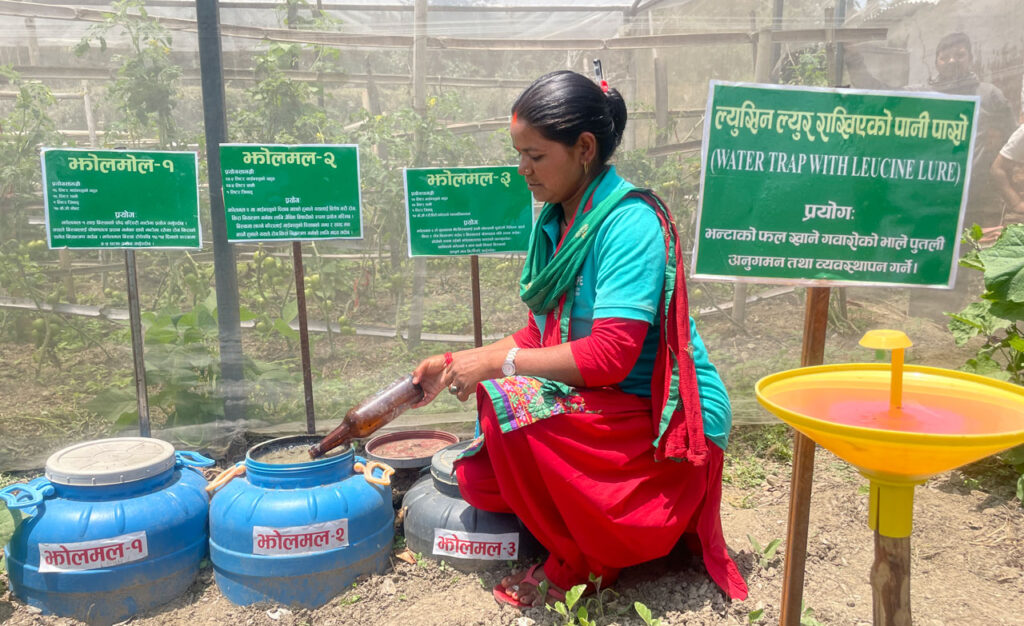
[[508, 368]]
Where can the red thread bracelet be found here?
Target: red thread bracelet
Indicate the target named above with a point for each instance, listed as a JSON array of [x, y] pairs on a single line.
[[447, 359]]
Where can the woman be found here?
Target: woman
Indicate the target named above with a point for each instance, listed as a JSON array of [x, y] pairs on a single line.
[[591, 415]]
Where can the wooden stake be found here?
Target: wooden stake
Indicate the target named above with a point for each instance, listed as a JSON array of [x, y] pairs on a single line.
[[812, 353], [890, 581]]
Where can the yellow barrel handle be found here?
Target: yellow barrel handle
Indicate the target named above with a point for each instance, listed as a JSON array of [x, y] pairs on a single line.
[[225, 477], [386, 472]]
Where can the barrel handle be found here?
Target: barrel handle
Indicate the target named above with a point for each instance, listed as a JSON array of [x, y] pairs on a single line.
[[225, 477], [192, 459], [25, 495], [386, 471]]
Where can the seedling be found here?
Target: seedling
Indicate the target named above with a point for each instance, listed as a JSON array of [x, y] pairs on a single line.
[[645, 614], [766, 554]]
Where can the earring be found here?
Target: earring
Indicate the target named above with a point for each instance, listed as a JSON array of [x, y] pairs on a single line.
[[586, 168]]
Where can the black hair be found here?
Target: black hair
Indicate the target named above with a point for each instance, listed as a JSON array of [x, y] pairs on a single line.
[[953, 39], [563, 105]]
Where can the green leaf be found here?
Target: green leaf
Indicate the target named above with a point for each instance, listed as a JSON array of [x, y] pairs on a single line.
[[755, 616], [985, 365], [755, 544], [290, 311], [643, 612], [1004, 265], [573, 595], [245, 314], [285, 330], [1020, 489], [769, 552], [583, 616], [117, 405], [977, 319]]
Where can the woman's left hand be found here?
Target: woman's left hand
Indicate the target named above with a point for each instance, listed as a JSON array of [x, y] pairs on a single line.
[[470, 368]]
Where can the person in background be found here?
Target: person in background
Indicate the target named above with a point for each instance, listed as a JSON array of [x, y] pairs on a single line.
[[954, 66], [603, 422], [1008, 175]]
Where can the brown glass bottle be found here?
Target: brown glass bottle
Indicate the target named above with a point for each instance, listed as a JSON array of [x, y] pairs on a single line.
[[370, 414]]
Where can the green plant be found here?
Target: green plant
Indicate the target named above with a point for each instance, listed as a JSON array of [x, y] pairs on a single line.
[[765, 554], [807, 616], [565, 609], [145, 89], [645, 614], [183, 368], [996, 315]]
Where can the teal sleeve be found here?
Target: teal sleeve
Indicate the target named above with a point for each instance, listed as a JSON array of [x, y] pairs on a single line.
[[714, 399]]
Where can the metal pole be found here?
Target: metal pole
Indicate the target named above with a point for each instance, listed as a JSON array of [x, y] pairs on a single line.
[[307, 375], [135, 323], [419, 102], [478, 330], [224, 270]]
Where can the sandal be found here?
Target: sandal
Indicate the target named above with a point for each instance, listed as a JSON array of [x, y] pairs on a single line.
[[501, 595]]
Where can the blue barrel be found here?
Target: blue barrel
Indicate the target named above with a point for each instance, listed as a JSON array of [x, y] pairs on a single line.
[[116, 527], [300, 533]]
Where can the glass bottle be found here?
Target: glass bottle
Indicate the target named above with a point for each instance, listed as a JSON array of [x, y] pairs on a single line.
[[370, 414]]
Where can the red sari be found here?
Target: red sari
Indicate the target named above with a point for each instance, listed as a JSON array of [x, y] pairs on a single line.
[[578, 467]]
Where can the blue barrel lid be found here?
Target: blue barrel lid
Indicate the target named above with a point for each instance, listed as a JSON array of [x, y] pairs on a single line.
[[110, 461]]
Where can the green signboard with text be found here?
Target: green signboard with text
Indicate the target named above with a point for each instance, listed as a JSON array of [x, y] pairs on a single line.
[[291, 193], [462, 211], [121, 199], [832, 185]]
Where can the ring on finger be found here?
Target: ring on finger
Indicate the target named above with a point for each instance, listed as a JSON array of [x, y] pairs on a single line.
[[453, 389]]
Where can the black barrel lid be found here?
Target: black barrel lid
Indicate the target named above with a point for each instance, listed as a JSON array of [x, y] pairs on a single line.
[[442, 464]]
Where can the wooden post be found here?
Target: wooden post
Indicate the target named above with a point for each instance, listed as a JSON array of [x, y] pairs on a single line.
[[135, 323], [307, 373], [812, 353], [33, 41], [660, 103], [419, 100], [890, 581], [762, 74], [478, 326]]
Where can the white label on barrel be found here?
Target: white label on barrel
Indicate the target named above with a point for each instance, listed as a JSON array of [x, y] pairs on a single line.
[[463, 545], [286, 540], [95, 554]]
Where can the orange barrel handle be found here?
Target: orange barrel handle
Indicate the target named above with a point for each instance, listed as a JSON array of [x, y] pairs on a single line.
[[225, 477], [386, 472]]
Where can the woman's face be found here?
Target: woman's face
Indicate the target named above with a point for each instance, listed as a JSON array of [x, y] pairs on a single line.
[[553, 171]]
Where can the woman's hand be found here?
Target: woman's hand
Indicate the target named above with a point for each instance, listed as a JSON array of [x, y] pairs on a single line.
[[472, 367], [430, 375], [460, 376]]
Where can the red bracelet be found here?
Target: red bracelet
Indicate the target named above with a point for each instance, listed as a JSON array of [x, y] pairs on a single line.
[[447, 359]]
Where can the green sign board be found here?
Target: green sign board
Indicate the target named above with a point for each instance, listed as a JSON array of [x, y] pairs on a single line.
[[467, 210], [300, 192], [121, 199], [832, 185]]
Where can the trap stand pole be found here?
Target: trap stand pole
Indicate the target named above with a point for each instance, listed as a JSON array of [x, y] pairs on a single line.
[[307, 374]]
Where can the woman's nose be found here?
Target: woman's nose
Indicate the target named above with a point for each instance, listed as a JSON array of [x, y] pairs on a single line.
[[522, 169]]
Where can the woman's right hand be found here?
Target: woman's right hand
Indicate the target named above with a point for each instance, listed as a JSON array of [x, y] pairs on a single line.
[[429, 375]]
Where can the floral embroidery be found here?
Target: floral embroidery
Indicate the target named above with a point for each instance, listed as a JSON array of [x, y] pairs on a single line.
[[523, 400]]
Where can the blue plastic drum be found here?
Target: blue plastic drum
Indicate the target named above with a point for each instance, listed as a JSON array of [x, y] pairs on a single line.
[[116, 527], [299, 532]]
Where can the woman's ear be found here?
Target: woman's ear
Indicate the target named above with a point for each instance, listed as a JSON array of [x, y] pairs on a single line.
[[587, 146]]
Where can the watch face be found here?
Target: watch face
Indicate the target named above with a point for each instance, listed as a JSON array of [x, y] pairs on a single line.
[[508, 369]]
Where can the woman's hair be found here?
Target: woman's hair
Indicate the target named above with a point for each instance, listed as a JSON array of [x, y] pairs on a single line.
[[563, 105]]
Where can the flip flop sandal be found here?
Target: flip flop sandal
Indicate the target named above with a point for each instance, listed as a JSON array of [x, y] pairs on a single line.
[[501, 595]]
